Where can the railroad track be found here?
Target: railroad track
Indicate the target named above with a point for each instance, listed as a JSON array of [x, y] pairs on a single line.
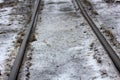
[[112, 54], [19, 58]]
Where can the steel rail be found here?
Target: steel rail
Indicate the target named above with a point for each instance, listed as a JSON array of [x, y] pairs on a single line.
[[20, 56], [112, 54]]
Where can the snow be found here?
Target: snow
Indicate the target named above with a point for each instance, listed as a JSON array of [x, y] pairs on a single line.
[[5, 15], [10, 26], [109, 15], [66, 48], [5, 39]]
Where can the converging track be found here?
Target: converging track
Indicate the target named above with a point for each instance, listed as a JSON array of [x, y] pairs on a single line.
[[57, 41]]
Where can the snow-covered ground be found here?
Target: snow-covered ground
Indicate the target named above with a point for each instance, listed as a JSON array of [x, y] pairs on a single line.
[[3, 38], [11, 26], [109, 15], [66, 48], [7, 35]]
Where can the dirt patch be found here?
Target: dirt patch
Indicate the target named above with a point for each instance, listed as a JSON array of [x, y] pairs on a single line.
[[110, 35], [88, 4], [3, 31], [73, 14], [20, 38], [109, 1], [66, 9], [56, 2], [8, 4], [90, 7]]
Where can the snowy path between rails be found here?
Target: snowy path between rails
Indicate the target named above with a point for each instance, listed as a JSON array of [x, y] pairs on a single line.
[[66, 48]]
